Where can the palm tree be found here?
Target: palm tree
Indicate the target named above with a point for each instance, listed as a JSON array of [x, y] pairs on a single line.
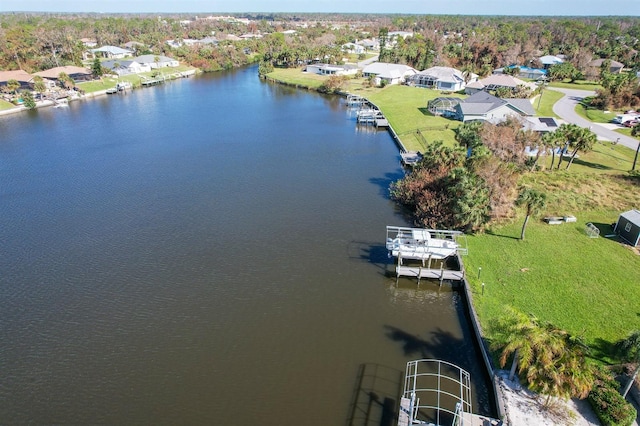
[[582, 139], [629, 350], [552, 360], [519, 335], [553, 140], [534, 201], [13, 85]]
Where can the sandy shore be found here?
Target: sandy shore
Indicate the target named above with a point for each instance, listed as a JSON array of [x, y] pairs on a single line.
[[525, 408]]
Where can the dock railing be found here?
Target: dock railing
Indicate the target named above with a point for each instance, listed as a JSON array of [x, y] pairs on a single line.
[[394, 232]]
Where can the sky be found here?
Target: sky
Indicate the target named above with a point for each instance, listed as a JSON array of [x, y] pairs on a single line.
[[422, 7]]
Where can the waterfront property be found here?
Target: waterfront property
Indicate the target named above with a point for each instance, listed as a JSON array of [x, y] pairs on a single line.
[[441, 78], [486, 107], [384, 73]]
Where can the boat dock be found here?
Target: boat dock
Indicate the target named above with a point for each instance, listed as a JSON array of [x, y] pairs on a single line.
[[366, 112], [437, 393], [426, 253]]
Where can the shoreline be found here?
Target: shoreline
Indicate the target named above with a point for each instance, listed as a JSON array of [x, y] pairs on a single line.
[[90, 95]]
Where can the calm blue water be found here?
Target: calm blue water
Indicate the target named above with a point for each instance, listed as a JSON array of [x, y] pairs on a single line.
[[210, 251]]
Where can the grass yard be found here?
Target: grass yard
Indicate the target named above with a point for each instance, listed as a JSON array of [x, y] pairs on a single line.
[[544, 106], [406, 109], [578, 85], [587, 286], [296, 77], [594, 115], [590, 287], [4, 105]]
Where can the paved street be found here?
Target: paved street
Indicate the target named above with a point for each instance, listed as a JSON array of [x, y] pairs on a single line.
[[565, 108]]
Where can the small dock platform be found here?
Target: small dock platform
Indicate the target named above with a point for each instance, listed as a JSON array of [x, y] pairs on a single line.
[[382, 122], [421, 272], [410, 158]]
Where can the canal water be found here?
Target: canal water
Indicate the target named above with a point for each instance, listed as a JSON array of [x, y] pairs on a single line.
[[208, 251]]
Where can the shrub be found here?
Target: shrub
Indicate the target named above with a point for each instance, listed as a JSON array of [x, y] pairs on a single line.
[[607, 402]]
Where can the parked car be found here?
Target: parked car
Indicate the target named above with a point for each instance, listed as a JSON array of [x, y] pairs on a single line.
[[631, 123]]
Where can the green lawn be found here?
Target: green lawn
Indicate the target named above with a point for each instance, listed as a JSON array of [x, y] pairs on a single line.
[[4, 105], [578, 85], [135, 79], [406, 109], [587, 286], [544, 106], [595, 115]]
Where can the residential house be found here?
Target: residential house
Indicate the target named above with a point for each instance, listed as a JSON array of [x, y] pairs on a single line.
[[540, 124], [369, 44], [24, 78], [89, 42], [112, 52], [384, 73], [134, 46], [76, 73], [615, 67], [125, 67], [441, 78], [157, 61], [353, 48], [548, 61], [328, 69], [524, 72], [496, 81], [486, 107]]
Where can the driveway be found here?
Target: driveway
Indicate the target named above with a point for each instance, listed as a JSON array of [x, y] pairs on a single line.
[[565, 109]]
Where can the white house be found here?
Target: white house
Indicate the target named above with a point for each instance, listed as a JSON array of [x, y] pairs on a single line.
[[157, 61], [125, 67], [441, 78], [384, 73], [353, 48], [328, 69], [369, 44], [549, 60]]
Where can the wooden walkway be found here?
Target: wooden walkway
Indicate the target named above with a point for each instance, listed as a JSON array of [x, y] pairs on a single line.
[[420, 272]]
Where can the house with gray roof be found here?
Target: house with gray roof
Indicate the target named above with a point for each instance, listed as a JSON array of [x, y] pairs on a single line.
[[486, 107], [615, 67], [384, 73]]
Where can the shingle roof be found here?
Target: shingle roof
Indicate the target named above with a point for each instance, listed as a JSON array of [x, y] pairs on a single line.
[[53, 73], [482, 102], [523, 105], [444, 74], [18, 75]]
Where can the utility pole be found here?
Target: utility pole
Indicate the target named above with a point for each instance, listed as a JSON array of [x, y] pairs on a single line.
[[635, 159]]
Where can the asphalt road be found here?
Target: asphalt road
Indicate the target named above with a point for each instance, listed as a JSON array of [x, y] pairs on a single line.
[[565, 109]]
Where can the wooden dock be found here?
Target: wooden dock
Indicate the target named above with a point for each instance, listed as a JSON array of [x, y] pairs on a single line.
[[421, 272], [382, 122]]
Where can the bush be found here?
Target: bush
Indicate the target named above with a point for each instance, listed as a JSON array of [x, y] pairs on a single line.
[[607, 402]]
